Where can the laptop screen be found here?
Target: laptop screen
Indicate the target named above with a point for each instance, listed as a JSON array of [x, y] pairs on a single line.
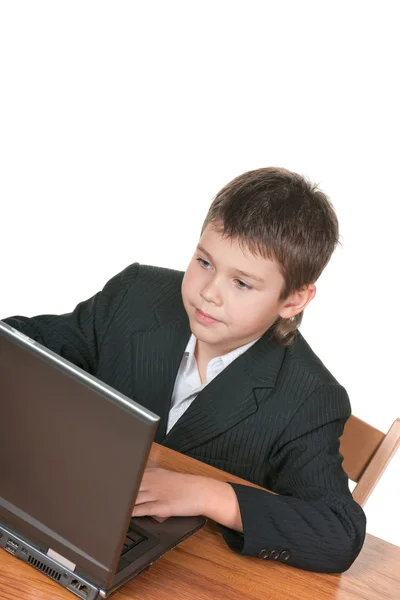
[[71, 458]]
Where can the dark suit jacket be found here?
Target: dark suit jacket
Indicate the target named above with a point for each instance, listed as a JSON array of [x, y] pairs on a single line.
[[273, 416]]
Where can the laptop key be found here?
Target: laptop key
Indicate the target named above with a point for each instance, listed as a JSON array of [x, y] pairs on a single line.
[[134, 536]]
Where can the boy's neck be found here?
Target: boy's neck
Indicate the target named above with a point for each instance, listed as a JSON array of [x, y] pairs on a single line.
[[204, 352]]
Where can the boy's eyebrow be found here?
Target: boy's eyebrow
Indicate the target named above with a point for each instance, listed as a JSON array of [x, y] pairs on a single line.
[[204, 251]]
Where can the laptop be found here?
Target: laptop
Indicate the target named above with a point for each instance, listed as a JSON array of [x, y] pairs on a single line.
[[72, 455]]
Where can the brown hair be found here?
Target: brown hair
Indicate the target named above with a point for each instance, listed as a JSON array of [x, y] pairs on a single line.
[[282, 216]]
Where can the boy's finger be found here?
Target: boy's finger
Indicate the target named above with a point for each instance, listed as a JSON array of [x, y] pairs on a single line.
[[145, 509]]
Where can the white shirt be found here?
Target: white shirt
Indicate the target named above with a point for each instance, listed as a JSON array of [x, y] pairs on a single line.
[[188, 383]]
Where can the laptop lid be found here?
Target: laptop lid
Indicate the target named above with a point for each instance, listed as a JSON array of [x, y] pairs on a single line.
[[72, 455]]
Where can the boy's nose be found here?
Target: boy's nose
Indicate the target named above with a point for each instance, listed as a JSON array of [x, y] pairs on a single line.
[[211, 294]]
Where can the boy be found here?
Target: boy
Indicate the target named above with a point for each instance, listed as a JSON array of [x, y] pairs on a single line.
[[216, 353]]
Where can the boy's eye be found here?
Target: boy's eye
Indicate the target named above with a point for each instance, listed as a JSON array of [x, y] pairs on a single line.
[[204, 263], [242, 285]]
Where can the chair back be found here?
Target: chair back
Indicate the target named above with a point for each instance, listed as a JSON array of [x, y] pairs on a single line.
[[366, 453]]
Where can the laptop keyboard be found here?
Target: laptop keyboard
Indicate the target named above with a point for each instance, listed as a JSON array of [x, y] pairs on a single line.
[[137, 543], [133, 538]]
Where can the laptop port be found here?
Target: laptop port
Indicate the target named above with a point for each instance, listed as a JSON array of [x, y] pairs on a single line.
[[79, 588], [75, 584], [11, 546]]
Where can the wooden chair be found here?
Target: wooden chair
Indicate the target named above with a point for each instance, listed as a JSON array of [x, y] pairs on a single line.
[[367, 452]]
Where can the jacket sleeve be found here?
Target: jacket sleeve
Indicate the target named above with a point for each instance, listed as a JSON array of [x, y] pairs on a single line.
[[313, 523], [77, 336]]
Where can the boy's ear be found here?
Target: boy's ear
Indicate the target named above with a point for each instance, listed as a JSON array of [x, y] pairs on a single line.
[[296, 302]]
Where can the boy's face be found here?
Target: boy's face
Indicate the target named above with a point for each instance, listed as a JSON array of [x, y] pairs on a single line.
[[242, 308]]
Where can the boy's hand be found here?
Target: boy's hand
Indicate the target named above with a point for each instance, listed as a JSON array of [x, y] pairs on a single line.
[[165, 493]]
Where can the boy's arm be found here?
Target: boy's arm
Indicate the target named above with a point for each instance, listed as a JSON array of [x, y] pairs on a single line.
[[77, 336], [313, 523]]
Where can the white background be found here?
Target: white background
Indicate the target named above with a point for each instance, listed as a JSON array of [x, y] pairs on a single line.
[[119, 122]]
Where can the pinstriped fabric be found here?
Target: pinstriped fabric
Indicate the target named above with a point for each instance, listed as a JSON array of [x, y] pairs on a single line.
[[273, 416], [187, 382]]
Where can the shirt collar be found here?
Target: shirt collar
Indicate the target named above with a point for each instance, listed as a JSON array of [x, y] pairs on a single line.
[[226, 359]]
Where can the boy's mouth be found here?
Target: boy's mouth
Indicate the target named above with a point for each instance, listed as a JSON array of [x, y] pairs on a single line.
[[204, 317]]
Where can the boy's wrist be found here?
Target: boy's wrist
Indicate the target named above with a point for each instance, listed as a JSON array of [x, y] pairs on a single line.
[[220, 503]]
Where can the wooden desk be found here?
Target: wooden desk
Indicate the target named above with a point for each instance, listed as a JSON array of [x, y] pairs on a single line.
[[203, 568]]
